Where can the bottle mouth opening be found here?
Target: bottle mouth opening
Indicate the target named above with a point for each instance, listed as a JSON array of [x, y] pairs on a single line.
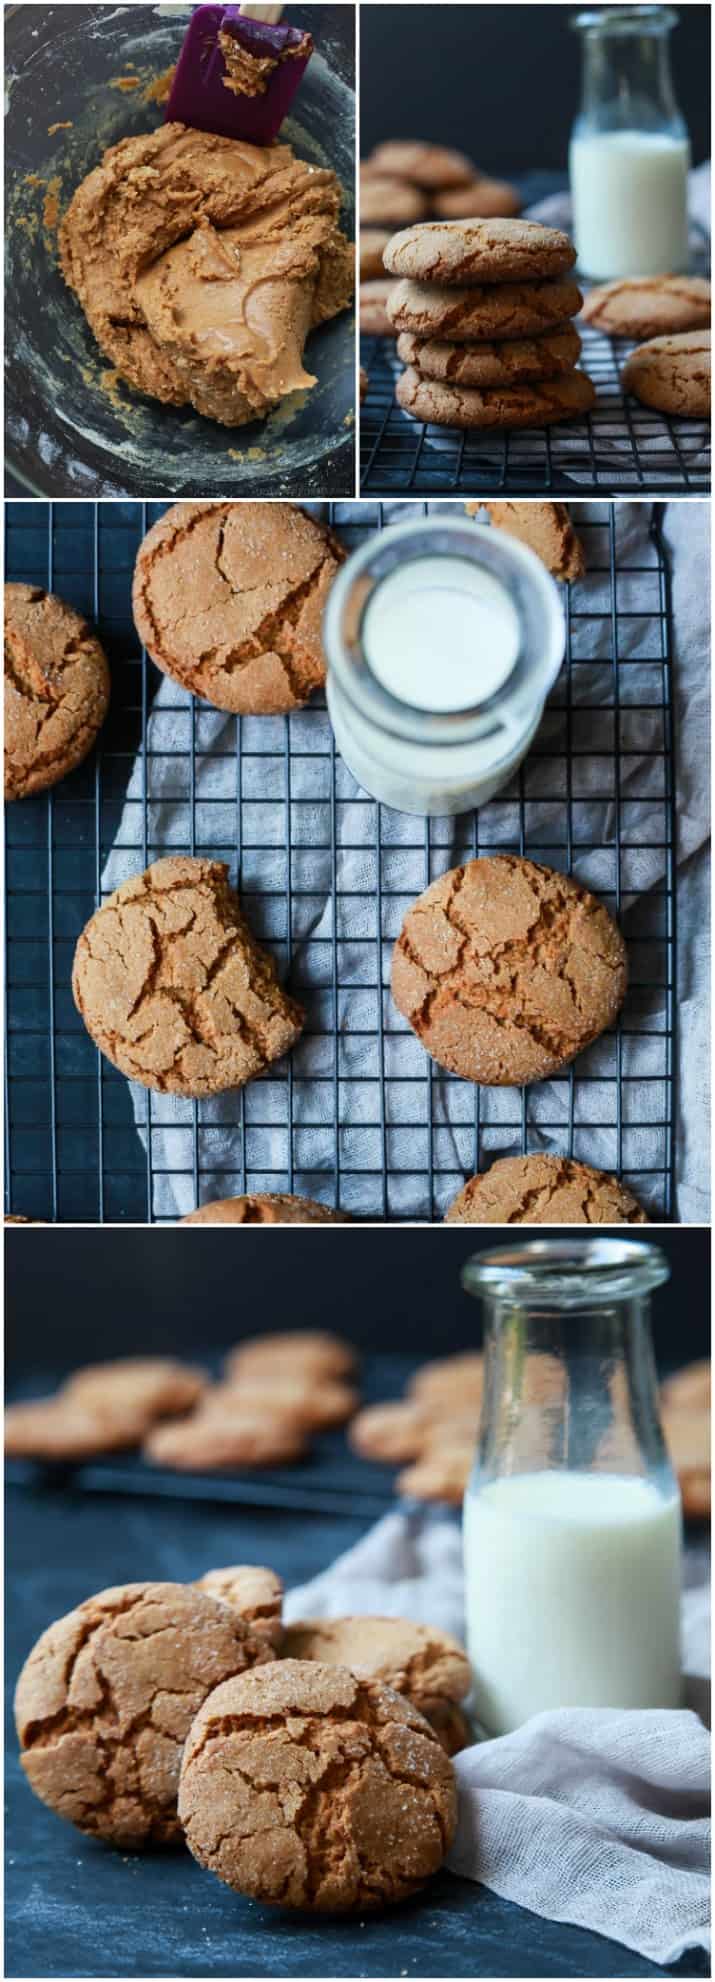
[[574, 1271], [625, 20]]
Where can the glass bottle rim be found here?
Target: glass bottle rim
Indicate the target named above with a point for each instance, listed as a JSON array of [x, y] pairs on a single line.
[[572, 1272], [646, 19]]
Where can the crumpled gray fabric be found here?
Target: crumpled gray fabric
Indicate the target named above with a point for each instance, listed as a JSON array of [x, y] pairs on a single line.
[[598, 1818], [278, 764]]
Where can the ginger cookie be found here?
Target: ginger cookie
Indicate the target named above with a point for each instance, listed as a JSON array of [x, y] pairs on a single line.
[[374, 298], [540, 404], [393, 1433], [545, 527], [373, 241], [451, 1725], [316, 1403], [106, 1699], [173, 987], [213, 1443], [441, 1474], [465, 252], [268, 1208], [507, 970], [649, 306], [56, 689], [255, 1593], [449, 1381], [688, 1388], [509, 363], [433, 167], [481, 314], [58, 1428], [687, 1436], [385, 200], [313, 1789], [418, 1661], [169, 243], [480, 199], [308, 1352], [672, 374], [544, 1190], [149, 1386], [228, 598]]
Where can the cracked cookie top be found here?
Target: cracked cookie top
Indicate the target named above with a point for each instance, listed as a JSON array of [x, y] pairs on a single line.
[[228, 598], [304, 1786], [265, 1208], [506, 970], [56, 689], [174, 988], [467, 251], [106, 1699], [256, 1593], [420, 1662], [544, 1190]]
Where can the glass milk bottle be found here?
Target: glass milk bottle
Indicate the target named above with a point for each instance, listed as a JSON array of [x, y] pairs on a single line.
[[442, 640], [572, 1515], [629, 152]]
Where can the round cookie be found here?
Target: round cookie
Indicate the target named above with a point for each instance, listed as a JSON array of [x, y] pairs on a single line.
[[441, 1474], [268, 1208], [422, 1663], [257, 1595], [465, 252], [310, 1352], [149, 1386], [482, 199], [544, 1190], [374, 299], [56, 689], [373, 242], [316, 1403], [481, 314], [57, 1428], [490, 364], [173, 987], [106, 1699], [316, 1790], [538, 405], [210, 1443], [546, 528], [430, 166], [672, 374], [391, 201], [449, 1381], [649, 306], [688, 1388], [450, 1723], [506, 970], [393, 1433], [228, 599]]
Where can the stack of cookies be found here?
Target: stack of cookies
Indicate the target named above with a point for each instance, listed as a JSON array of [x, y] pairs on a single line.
[[406, 180], [483, 309]]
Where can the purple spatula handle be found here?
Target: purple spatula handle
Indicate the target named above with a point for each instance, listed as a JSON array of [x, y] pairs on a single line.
[[199, 95]]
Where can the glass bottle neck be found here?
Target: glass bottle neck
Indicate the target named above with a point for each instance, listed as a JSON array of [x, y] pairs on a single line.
[[627, 83]]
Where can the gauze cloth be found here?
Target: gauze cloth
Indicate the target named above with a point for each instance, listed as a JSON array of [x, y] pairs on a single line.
[[597, 1818], [340, 900]]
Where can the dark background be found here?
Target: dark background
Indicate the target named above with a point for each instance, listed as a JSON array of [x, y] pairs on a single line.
[[502, 83], [74, 1295]]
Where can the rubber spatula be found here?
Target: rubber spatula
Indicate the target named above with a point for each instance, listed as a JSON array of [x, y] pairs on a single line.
[[238, 72]]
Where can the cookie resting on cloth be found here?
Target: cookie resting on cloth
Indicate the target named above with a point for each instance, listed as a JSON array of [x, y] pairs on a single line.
[[544, 1190], [202, 263], [506, 970]]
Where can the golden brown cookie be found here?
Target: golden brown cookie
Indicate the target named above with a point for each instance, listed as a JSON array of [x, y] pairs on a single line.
[[430, 166], [106, 1699], [268, 1208], [649, 306], [255, 1593], [389, 201], [316, 1403], [453, 1382], [465, 252], [393, 1433], [672, 374], [687, 1436], [213, 1443], [417, 1660], [148, 1386], [547, 529], [316, 1790], [56, 689], [374, 298], [688, 1387], [441, 1474], [450, 1723], [544, 1190], [538, 405], [228, 598], [481, 314], [507, 970], [57, 1428], [306, 1351], [173, 987], [490, 364], [169, 242], [373, 241], [480, 199]]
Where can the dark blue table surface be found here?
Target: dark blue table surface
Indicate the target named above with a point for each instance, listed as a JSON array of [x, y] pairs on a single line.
[[75, 1908]]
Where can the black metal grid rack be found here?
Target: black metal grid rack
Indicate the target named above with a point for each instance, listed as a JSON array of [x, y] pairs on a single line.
[[620, 448], [358, 1114]]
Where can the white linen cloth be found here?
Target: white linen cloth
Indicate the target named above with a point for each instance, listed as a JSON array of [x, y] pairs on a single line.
[[600, 1819], [409, 1079]]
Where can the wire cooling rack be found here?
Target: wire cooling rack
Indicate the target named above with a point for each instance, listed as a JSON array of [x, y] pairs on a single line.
[[358, 1115], [619, 448]]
